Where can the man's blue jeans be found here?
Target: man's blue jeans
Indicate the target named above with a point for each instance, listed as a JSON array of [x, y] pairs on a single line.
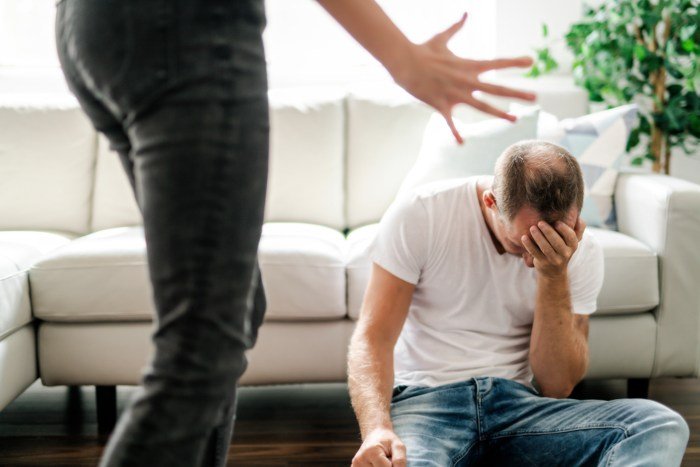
[[179, 88], [493, 421]]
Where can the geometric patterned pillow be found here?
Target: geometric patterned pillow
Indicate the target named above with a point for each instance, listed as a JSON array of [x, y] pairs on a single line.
[[598, 141]]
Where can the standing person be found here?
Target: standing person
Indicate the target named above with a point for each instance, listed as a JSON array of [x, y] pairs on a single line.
[[179, 88]]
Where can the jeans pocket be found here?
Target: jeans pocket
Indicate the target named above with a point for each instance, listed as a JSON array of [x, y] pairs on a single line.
[[398, 390]]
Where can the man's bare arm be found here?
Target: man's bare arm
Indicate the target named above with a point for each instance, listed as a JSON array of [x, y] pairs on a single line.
[[559, 340], [371, 365], [558, 345]]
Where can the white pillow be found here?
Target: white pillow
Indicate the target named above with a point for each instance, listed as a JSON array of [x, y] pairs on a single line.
[[441, 157]]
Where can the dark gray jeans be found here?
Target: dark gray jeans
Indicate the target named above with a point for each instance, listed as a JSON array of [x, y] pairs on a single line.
[[180, 90]]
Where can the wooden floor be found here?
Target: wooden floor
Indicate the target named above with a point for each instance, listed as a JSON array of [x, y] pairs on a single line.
[[296, 425]]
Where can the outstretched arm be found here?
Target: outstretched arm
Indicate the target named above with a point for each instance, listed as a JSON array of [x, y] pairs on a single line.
[[428, 71]]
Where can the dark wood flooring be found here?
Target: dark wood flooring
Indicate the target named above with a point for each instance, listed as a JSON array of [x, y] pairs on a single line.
[[291, 425]]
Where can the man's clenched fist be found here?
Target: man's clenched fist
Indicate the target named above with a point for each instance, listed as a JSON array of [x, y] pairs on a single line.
[[382, 447]]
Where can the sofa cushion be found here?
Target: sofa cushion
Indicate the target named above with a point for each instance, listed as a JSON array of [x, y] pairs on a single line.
[[15, 310], [631, 281], [441, 158], [47, 149], [630, 284], [303, 271], [104, 276], [100, 276], [19, 250], [306, 165], [114, 202]]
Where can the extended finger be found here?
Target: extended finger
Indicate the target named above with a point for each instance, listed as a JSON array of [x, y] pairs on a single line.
[[569, 235], [448, 118], [579, 227], [544, 245], [489, 109], [527, 257], [499, 63], [554, 238], [531, 247], [504, 91]]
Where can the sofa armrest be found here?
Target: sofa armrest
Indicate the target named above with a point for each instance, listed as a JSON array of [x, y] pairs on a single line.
[[664, 213]]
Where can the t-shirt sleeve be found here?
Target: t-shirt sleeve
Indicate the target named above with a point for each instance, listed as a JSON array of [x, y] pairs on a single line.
[[401, 243], [586, 272]]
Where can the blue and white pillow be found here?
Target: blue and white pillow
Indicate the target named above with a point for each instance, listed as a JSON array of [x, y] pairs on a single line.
[[598, 140]]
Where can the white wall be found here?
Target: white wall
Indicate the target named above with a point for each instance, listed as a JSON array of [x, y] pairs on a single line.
[[519, 26]]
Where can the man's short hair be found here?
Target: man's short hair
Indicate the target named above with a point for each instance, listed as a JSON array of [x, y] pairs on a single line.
[[538, 174]]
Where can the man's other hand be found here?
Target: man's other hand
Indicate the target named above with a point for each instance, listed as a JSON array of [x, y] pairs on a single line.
[[382, 447]]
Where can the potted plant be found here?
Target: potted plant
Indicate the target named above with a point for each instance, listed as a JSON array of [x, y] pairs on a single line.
[[641, 51]]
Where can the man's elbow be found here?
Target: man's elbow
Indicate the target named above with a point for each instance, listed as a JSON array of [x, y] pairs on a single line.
[[557, 391]]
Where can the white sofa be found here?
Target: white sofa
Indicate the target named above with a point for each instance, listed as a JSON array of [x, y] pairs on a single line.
[[75, 300]]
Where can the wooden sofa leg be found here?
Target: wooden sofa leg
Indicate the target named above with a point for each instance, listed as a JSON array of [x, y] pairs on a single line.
[[106, 397], [638, 388]]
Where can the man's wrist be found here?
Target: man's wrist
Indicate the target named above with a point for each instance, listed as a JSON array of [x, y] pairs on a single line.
[[378, 425], [551, 279]]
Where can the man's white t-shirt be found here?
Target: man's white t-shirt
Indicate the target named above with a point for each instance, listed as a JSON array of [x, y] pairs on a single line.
[[472, 308]]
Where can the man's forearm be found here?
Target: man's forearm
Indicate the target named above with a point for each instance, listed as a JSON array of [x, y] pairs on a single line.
[[558, 351], [370, 382]]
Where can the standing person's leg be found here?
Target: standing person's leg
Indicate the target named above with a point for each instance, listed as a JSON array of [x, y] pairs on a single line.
[[524, 428], [220, 439], [197, 120]]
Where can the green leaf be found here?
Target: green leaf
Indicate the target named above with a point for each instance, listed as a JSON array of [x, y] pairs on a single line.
[[640, 52], [545, 30], [688, 45], [633, 139], [674, 90], [637, 161]]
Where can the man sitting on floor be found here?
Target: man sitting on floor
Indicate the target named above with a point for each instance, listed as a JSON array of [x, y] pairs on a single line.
[[477, 285]]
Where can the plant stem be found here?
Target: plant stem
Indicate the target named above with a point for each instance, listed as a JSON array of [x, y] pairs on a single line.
[[658, 81], [667, 156]]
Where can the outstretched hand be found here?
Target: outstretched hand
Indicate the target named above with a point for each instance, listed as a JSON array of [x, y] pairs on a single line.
[[438, 77]]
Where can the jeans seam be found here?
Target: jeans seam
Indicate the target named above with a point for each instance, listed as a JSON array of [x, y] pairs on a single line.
[[508, 434], [612, 450], [464, 454], [612, 454]]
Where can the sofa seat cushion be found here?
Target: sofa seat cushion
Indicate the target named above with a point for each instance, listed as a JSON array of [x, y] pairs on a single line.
[[303, 271], [96, 277], [19, 250], [104, 276], [631, 281], [630, 284]]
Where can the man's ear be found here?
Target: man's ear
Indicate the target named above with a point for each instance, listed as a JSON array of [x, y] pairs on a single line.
[[489, 199]]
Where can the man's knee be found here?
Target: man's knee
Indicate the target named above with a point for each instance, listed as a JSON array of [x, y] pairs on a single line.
[[662, 422]]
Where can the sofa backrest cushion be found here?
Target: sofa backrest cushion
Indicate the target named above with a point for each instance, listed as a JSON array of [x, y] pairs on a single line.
[[47, 148], [306, 165]]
